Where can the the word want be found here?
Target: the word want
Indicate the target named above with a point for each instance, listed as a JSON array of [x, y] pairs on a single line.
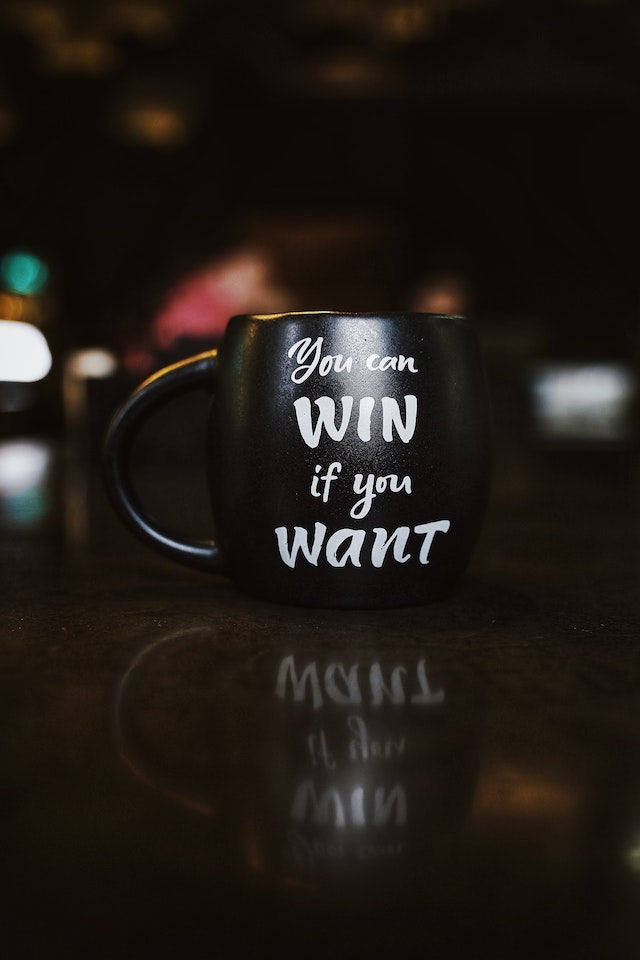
[[347, 545]]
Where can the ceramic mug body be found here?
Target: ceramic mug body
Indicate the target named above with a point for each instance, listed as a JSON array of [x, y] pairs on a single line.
[[349, 456]]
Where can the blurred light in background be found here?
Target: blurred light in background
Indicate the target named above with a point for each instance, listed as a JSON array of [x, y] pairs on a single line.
[[23, 272], [80, 53], [149, 20], [154, 124], [444, 292], [44, 21], [81, 369], [13, 307], [38, 19], [24, 353], [632, 854], [63, 42], [406, 21], [96, 363], [156, 116], [24, 475], [23, 463], [396, 21], [505, 791], [83, 39], [583, 402]]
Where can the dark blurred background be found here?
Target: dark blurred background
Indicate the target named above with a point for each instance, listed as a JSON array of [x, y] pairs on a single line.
[[474, 156]]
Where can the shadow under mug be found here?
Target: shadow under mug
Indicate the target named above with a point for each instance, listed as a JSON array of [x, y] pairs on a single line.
[[349, 456]]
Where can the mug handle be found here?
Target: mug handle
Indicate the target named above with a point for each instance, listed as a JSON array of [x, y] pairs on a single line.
[[172, 381]]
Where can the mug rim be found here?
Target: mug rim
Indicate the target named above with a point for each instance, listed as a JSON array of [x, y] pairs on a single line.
[[416, 315]]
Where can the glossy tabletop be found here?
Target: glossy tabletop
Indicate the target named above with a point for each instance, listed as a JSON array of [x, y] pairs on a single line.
[[188, 772]]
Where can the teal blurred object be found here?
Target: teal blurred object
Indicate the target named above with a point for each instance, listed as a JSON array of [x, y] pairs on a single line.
[[23, 272]]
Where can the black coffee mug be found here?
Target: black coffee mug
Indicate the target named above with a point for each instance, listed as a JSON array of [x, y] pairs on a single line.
[[349, 456]]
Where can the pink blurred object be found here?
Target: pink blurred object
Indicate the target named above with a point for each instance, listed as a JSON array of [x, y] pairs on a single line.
[[200, 307]]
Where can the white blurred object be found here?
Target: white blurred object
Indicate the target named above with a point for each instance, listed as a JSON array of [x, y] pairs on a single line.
[[24, 353], [23, 465], [588, 402], [95, 363], [25, 468]]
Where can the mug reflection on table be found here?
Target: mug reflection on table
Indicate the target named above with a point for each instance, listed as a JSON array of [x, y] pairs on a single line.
[[328, 769]]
